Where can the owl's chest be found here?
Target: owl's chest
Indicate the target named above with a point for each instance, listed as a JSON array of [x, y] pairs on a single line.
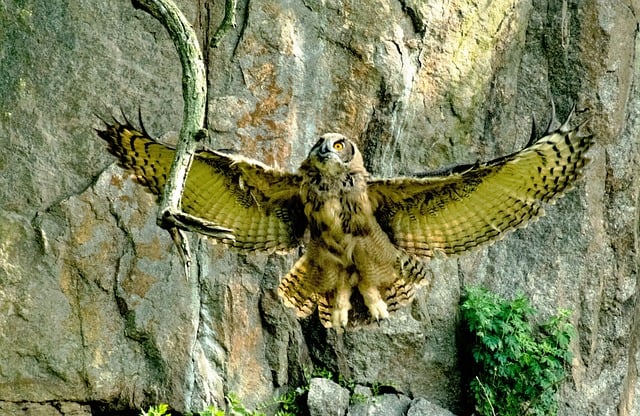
[[337, 218]]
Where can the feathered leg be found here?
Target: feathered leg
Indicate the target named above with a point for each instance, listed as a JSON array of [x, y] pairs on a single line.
[[341, 305]]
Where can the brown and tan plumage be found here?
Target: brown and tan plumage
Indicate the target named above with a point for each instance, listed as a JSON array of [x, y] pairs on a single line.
[[359, 232]]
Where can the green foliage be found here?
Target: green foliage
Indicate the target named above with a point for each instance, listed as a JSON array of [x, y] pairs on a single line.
[[347, 383], [290, 402], [319, 372], [212, 410], [518, 365], [159, 410], [376, 388], [236, 408]]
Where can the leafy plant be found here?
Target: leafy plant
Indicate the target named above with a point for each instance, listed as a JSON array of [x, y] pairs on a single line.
[[234, 405], [288, 404], [319, 372], [159, 410], [517, 365], [236, 408], [212, 410]]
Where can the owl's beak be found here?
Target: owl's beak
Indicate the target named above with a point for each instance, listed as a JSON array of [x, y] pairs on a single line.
[[325, 150]]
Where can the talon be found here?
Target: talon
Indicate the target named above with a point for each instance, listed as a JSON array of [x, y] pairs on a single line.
[[378, 310], [340, 317], [341, 307], [381, 321]]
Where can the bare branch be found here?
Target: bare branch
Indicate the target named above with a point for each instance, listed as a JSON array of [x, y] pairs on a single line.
[[228, 21], [194, 90]]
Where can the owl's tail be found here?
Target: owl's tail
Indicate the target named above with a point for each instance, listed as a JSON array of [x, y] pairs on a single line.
[[293, 292], [413, 274]]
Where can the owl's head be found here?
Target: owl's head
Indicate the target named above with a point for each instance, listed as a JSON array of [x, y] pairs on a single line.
[[334, 149]]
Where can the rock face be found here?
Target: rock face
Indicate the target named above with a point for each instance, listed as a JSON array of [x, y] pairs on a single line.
[[383, 405], [327, 398], [422, 407], [95, 313]]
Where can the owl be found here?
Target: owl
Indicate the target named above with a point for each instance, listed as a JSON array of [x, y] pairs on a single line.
[[365, 239]]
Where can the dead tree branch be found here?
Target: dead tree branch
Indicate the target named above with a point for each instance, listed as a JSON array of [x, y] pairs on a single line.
[[194, 90]]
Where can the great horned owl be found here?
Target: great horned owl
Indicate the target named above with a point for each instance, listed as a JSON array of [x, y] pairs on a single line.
[[359, 232]]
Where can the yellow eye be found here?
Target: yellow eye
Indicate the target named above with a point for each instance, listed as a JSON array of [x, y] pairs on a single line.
[[338, 146]]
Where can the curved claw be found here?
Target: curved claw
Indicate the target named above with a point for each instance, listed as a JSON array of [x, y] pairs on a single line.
[[339, 318], [378, 310], [379, 321]]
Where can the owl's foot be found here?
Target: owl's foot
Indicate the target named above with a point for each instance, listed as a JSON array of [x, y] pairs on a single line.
[[339, 318], [378, 310], [342, 305], [373, 300]]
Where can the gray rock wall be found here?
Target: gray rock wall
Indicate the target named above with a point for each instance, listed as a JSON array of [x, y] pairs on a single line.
[[95, 313]]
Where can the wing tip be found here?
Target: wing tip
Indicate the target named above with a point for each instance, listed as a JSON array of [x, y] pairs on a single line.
[[115, 128], [554, 126]]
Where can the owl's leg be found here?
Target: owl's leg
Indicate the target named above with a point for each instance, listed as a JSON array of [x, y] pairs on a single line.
[[373, 300], [341, 306]]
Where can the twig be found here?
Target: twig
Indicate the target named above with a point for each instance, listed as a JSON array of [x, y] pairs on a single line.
[[228, 21], [194, 91], [486, 395]]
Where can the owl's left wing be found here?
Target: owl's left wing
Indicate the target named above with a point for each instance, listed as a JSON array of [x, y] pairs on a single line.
[[460, 208]]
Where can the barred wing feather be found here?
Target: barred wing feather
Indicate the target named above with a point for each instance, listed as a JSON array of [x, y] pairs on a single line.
[[260, 205], [467, 206]]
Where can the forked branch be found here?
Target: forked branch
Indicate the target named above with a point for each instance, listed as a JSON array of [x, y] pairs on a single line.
[[194, 91], [228, 21]]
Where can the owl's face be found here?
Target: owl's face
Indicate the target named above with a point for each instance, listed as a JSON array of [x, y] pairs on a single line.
[[334, 154], [333, 147]]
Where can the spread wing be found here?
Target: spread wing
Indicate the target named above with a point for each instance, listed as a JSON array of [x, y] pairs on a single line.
[[260, 205], [454, 210]]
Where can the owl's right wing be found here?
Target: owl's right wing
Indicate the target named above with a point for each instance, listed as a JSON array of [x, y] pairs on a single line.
[[260, 205], [457, 209]]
